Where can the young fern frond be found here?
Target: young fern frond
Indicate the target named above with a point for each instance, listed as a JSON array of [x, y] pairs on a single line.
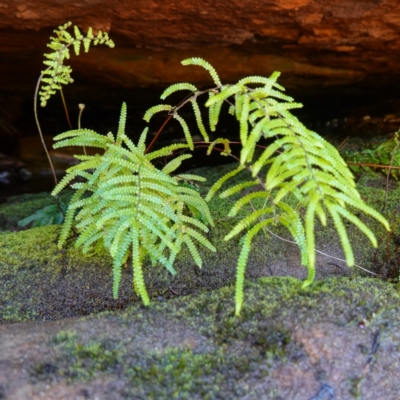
[[58, 74], [227, 150]]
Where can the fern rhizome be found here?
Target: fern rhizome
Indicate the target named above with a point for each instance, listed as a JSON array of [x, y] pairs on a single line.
[[136, 210]]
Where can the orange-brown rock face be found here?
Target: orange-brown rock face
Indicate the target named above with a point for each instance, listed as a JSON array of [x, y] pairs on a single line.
[[320, 46], [313, 42]]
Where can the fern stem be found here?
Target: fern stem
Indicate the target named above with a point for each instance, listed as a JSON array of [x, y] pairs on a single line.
[[39, 128], [158, 134], [81, 108], [319, 252], [65, 108], [183, 102]]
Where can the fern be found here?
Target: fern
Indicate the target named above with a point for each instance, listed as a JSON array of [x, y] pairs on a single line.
[[136, 211], [130, 206], [306, 165]]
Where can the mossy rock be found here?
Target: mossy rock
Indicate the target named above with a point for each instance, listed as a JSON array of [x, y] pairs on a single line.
[[338, 339], [40, 281]]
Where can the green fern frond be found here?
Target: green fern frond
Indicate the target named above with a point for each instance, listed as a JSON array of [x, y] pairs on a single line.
[[95, 138], [166, 151], [63, 184], [177, 86], [195, 222], [199, 237], [198, 203], [199, 120], [155, 109], [175, 163], [341, 230], [359, 224], [244, 125], [186, 131], [292, 221], [131, 207], [191, 177], [217, 185], [268, 82], [68, 219], [225, 92], [299, 163], [124, 227], [122, 123], [193, 251], [207, 66], [245, 223], [137, 266], [141, 143], [213, 113], [237, 188], [242, 261], [245, 200]]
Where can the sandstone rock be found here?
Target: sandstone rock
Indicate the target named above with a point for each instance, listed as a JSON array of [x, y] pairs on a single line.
[[323, 48], [335, 42]]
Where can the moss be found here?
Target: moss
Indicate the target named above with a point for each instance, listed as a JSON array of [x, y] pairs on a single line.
[[159, 374], [37, 280], [86, 360], [193, 347]]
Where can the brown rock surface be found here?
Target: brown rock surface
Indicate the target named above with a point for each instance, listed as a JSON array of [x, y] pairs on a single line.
[[313, 42], [324, 49]]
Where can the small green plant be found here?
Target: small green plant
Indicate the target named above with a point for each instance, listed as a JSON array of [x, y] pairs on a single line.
[[52, 214], [134, 209], [384, 158]]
